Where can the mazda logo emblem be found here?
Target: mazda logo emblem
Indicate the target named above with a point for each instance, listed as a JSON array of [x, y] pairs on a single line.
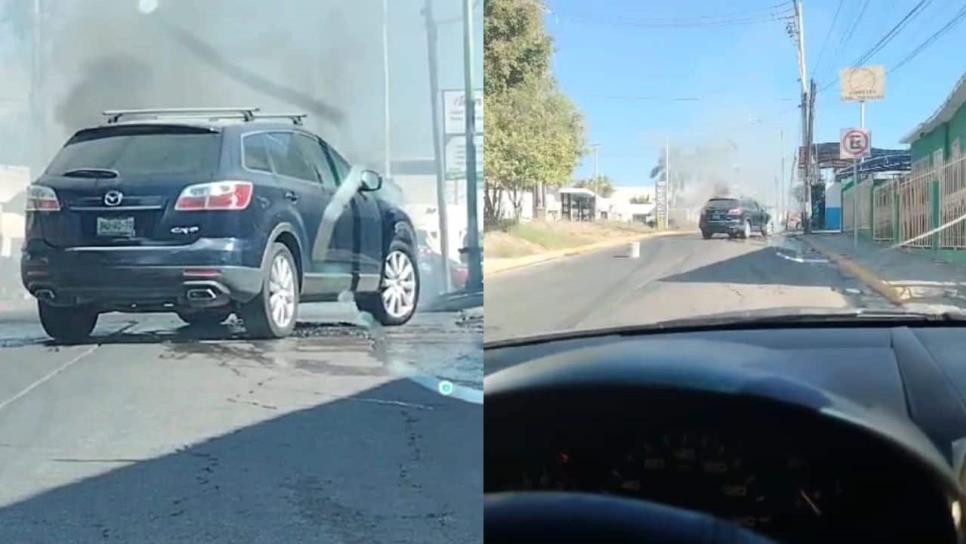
[[113, 198]]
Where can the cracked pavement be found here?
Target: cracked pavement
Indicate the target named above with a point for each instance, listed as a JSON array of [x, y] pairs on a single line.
[[158, 432], [675, 277]]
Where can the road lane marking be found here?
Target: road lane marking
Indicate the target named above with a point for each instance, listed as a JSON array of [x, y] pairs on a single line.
[[47, 377], [800, 259]]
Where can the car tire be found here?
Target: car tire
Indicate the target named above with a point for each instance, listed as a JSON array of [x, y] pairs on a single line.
[[205, 317], [68, 324], [746, 232], [273, 311], [706, 235], [389, 305]]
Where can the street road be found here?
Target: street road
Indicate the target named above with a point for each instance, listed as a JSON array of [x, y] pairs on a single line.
[[675, 277], [159, 432]]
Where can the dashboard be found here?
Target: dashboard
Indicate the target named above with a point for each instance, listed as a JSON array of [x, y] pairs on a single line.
[[721, 427]]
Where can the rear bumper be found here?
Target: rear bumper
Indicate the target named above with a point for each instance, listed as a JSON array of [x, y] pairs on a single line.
[[730, 226], [207, 273]]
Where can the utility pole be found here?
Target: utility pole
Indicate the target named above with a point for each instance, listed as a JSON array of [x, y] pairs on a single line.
[[781, 178], [798, 32], [437, 142], [596, 148], [387, 125], [38, 119], [667, 181], [810, 168], [474, 280]]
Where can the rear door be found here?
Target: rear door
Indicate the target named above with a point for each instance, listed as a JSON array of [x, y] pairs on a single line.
[[298, 180], [117, 185]]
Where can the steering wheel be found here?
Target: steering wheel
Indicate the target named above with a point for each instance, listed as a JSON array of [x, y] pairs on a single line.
[[563, 518]]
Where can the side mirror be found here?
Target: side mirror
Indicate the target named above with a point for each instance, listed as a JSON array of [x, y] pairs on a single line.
[[371, 181]]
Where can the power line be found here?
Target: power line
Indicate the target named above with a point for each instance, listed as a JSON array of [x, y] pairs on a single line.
[[917, 9], [768, 14], [821, 51], [855, 24], [960, 15], [928, 41]]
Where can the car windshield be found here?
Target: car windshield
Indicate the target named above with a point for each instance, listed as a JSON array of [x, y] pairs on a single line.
[[140, 151], [674, 162]]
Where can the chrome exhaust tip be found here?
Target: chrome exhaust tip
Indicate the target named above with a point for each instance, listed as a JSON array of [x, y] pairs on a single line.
[[44, 294], [206, 293]]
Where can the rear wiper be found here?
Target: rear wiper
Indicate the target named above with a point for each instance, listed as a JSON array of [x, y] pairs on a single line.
[[91, 173]]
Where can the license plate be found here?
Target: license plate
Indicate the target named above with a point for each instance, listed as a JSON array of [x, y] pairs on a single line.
[[115, 226]]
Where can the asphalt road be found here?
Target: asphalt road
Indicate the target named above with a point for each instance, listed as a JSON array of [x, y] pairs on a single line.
[[159, 432], [675, 277]]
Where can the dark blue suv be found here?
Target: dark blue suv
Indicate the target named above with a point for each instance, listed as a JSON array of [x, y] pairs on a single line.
[[208, 213]]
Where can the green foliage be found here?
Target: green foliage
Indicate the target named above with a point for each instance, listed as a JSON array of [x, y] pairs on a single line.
[[641, 199], [516, 49], [602, 185], [534, 134]]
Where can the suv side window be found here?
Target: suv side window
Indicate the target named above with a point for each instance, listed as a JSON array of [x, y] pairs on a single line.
[[287, 158], [255, 155], [340, 165], [311, 149]]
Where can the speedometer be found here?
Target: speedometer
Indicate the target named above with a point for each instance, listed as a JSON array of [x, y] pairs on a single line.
[[694, 470]]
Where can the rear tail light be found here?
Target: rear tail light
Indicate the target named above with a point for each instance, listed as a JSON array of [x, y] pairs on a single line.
[[734, 211], [217, 195], [41, 199]]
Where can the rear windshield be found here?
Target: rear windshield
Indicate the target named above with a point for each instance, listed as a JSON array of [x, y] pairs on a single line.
[[140, 151], [722, 203]]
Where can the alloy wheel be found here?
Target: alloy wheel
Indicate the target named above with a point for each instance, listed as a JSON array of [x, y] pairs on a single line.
[[281, 291], [398, 284]]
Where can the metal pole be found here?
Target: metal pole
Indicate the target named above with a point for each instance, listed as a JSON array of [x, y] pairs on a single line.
[[38, 119], [437, 143], [596, 171], [475, 273], [667, 181], [385, 88], [855, 182], [781, 182], [802, 66]]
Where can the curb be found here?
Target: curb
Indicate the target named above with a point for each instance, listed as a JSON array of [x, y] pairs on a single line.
[[850, 267], [578, 250]]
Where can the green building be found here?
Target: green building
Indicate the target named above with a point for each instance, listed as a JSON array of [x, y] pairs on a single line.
[[942, 137]]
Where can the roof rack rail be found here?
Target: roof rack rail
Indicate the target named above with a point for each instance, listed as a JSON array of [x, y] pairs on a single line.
[[247, 113], [296, 118]]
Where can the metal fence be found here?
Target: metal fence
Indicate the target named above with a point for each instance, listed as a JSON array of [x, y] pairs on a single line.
[[909, 207], [883, 201], [914, 210], [952, 189]]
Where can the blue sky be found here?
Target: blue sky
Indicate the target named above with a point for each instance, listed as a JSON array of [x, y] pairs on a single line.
[[741, 81]]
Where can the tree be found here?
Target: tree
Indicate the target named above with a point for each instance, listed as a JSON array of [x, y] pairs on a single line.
[[603, 186], [534, 134], [641, 199]]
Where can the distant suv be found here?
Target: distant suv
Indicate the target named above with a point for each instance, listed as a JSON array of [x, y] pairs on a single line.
[[736, 217], [207, 213]]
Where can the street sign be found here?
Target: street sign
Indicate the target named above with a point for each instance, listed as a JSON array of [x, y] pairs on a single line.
[[455, 156], [863, 83], [855, 143], [660, 204], [454, 112]]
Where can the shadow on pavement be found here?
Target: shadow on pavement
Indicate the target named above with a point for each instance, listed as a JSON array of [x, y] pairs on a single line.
[[364, 468], [763, 266]]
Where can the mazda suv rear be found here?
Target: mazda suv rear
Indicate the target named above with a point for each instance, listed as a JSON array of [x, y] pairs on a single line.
[[207, 213]]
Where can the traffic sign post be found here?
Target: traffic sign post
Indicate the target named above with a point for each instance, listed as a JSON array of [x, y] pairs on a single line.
[[859, 84], [855, 143]]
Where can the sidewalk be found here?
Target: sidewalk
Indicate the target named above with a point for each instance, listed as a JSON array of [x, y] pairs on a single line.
[[493, 266], [907, 277]]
